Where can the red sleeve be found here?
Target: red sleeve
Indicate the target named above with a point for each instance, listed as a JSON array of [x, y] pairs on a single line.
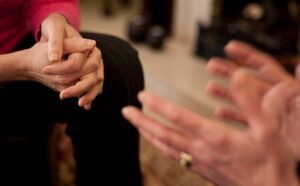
[[38, 10]]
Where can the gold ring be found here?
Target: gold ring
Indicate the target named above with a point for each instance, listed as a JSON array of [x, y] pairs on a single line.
[[185, 159]]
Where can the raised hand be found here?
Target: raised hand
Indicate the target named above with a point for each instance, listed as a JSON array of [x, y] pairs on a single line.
[[267, 78], [257, 155]]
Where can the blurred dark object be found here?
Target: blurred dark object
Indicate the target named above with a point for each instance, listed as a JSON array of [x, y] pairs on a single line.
[[156, 12], [160, 12], [153, 24], [156, 36], [107, 7], [270, 25], [138, 28]]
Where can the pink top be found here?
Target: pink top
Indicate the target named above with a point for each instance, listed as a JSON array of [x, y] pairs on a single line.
[[19, 17]]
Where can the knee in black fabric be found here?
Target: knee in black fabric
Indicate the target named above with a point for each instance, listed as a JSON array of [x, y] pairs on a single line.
[[121, 64]]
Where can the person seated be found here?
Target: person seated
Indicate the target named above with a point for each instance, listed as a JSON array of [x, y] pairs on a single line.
[[51, 75]]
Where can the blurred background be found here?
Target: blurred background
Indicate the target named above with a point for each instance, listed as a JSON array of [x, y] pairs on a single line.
[[175, 38]]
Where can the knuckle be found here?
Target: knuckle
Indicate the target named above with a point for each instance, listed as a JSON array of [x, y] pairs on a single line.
[[162, 132], [99, 79], [219, 140], [60, 87], [239, 79], [63, 80], [94, 65], [221, 143], [173, 114], [77, 65], [94, 80], [59, 79], [209, 159]]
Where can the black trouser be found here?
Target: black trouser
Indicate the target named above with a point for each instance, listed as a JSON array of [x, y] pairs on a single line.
[[106, 145]]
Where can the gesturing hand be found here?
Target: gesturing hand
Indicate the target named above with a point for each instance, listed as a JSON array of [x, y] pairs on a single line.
[[243, 56], [266, 76], [257, 155]]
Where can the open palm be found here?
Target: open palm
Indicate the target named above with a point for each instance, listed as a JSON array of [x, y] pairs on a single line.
[[279, 90]]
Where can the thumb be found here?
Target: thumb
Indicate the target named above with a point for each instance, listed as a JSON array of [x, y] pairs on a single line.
[[56, 35]]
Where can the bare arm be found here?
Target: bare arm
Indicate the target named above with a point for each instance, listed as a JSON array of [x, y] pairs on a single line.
[[28, 64], [12, 66]]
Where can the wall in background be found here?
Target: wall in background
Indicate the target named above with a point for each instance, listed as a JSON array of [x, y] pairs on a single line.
[[187, 15]]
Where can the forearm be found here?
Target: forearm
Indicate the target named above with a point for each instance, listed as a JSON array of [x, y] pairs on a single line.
[[12, 66]]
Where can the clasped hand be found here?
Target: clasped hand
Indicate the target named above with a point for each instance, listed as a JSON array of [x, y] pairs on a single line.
[[66, 62]]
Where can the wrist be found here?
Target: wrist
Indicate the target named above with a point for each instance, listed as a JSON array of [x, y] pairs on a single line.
[[12, 66], [21, 64]]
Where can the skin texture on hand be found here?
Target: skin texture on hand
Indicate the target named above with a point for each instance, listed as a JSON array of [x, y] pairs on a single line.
[[36, 60], [226, 156], [262, 153], [54, 29], [268, 78]]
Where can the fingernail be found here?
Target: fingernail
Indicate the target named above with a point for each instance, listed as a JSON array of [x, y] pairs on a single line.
[[87, 107], [81, 103], [141, 95], [54, 56], [125, 111], [90, 43], [62, 96]]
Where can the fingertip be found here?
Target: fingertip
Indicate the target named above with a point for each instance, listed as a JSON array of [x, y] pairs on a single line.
[[46, 70], [54, 56], [141, 95], [209, 87], [81, 102], [233, 44], [210, 67], [63, 95], [88, 106], [236, 50], [127, 110], [90, 43]]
